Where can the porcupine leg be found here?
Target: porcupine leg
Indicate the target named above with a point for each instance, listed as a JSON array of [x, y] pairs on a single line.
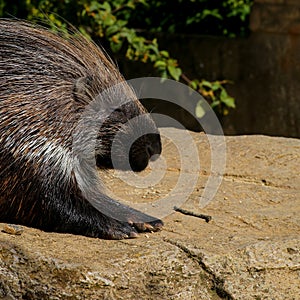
[[110, 219], [53, 202], [80, 217], [71, 208]]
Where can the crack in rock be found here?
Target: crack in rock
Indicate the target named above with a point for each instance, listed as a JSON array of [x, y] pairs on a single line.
[[216, 282]]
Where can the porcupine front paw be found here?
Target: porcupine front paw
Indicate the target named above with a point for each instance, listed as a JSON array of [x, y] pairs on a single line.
[[141, 226], [131, 228]]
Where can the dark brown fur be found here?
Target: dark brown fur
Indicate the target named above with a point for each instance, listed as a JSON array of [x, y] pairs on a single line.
[[46, 83]]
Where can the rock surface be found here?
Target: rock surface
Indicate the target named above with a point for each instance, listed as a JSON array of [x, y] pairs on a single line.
[[249, 250]]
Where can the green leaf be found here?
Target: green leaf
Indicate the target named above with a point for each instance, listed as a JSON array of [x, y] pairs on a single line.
[[215, 103], [229, 101], [214, 13], [175, 72], [226, 99], [144, 2], [215, 86], [108, 20], [84, 32], [165, 54], [131, 4], [115, 47], [105, 6], [111, 30], [193, 84], [164, 75], [223, 94], [154, 48], [122, 23], [160, 64], [199, 110], [129, 35], [152, 57], [206, 83], [130, 54], [94, 6]]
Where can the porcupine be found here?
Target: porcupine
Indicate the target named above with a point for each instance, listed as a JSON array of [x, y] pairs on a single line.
[[46, 83]]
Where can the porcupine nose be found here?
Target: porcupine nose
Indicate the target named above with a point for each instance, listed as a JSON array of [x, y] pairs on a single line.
[[154, 149], [151, 151]]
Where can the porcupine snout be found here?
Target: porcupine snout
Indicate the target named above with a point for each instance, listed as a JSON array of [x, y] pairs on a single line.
[[149, 148], [129, 138]]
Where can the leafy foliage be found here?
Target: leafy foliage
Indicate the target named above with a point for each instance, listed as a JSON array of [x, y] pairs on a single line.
[[215, 91], [213, 17], [113, 23]]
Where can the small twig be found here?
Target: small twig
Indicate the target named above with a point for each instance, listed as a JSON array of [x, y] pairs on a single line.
[[185, 78], [117, 9], [190, 213]]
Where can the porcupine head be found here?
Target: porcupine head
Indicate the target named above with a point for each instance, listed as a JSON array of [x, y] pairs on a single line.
[[116, 125]]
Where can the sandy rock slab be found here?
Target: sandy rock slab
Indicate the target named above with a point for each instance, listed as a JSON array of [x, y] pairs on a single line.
[[249, 250]]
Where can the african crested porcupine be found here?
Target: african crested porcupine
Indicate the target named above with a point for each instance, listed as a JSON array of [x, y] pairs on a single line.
[[47, 83]]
